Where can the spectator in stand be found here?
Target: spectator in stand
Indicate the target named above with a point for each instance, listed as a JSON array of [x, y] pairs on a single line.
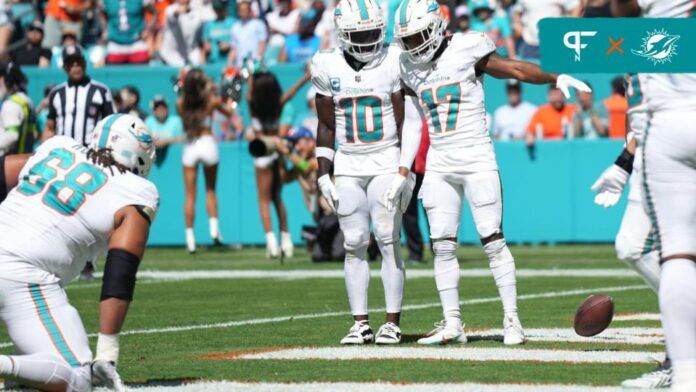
[[301, 46], [463, 18], [596, 9], [553, 120], [6, 24], [616, 106], [326, 30], [32, 53], [282, 21], [61, 15], [130, 102], [158, 22], [67, 38], [124, 30], [166, 128], [497, 28], [249, 36], [510, 121], [181, 37], [526, 15], [217, 34], [588, 122]]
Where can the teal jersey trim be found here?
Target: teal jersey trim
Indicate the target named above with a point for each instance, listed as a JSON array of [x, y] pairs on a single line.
[[51, 327]]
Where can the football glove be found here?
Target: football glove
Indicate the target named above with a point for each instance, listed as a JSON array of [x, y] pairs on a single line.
[[328, 190], [564, 82], [609, 186], [105, 373], [399, 192]]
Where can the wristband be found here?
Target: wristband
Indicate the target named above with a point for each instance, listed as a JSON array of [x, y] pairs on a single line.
[[325, 152], [625, 161], [302, 165], [107, 348]]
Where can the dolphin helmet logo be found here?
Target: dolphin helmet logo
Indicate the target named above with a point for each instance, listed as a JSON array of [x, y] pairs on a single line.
[[658, 46]]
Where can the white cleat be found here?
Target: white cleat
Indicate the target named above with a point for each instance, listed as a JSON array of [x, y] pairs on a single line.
[[513, 334], [658, 378], [272, 248], [359, 333], [286, 245], [443, 334], [388, 333]]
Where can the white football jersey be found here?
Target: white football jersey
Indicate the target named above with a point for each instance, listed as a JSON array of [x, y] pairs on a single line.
[[451, 96], [61, 213], [669, 91], [366, 131]]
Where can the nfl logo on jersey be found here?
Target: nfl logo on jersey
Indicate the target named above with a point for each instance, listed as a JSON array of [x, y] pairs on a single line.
[[335, 84]]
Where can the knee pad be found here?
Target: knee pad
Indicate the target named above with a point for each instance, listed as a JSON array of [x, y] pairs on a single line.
[[355, 241], [446, 265], [488, 227], [498, 253], [384, 230]]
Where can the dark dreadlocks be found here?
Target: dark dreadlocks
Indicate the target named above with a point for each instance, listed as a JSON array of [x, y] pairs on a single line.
[[104, 158]]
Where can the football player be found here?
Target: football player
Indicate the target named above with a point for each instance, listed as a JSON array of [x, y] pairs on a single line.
[[635, 241], [69, 205], [361, 107], [669, 186], [445, 75]]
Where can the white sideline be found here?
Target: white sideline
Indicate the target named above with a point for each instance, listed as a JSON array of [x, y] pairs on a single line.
[[410, 273], [638, 317], [231, 386], [308, 316], [636, 336], [455, 353]]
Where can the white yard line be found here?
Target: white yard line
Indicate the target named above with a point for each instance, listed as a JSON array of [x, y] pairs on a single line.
[[453, 353], [231, 386], [309, 316], [637, 336], [157, 275], [638, 317]]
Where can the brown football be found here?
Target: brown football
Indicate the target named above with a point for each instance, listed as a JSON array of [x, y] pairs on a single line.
[[594, 315]]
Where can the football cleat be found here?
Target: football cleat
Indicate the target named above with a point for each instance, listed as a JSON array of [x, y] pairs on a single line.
[[388, 333], [360, 333], [658, 378], [286, 245], [444, 334], [272, 248], [513, 334]]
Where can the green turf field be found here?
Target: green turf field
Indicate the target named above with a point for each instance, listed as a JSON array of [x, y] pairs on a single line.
[[222, 325]]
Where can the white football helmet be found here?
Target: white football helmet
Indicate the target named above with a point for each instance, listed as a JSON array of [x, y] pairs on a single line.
[[128, 139], [360, 27], [419, 28]]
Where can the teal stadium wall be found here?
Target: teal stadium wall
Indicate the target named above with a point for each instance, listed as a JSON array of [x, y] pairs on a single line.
[[547, 200]]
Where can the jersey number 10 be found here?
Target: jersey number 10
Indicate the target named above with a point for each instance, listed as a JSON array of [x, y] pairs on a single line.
[[357, 111], [64, 196]]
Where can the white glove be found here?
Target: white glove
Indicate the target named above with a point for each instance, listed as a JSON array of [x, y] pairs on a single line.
[[399, 192], [328, 190], [609, 186], [563, 82], [105, 372]]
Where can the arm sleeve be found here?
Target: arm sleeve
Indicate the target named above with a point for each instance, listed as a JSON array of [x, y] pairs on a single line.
[[411, 132], [320, 80]]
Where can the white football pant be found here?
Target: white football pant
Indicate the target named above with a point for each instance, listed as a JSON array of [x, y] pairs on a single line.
[[442, 195], [50, 341], [360, 203], [669, 159]]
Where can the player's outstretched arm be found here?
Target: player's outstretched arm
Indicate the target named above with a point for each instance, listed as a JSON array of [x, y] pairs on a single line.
[[505, 68], [326, 141], [126, 249]]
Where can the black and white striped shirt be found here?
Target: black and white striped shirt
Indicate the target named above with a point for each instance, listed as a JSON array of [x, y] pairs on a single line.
[[76, 107]]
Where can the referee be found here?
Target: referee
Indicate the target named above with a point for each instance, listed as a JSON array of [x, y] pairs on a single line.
[[75, 107]]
